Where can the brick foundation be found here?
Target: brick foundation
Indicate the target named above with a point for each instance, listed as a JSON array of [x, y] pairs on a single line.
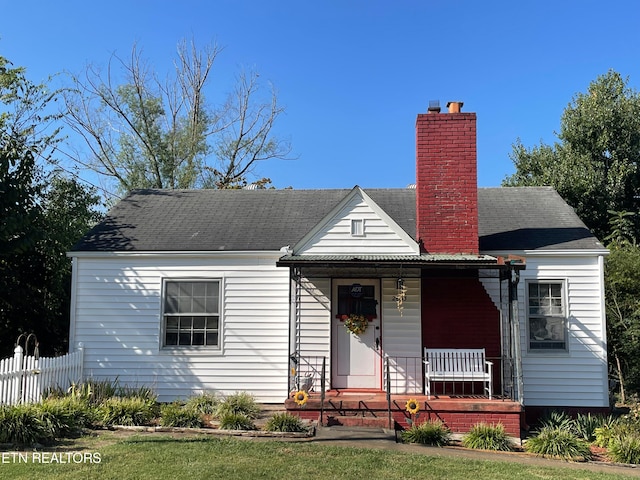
[[371, 410]]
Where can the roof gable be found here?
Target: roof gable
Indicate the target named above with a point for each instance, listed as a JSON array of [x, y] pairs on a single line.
[[381, 234]]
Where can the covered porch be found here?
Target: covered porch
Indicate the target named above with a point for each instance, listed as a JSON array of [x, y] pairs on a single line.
[[454, 302], [464, 405]]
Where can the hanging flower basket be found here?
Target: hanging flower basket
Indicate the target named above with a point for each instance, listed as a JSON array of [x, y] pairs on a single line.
[[356, 324]]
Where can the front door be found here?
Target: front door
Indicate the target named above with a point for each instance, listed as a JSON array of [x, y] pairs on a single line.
[[356, 355]]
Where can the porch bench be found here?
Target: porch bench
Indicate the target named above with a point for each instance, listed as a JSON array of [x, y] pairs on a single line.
[[457, 365]]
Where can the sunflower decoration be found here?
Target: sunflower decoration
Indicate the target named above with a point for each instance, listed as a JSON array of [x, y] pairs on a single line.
[[301, 397], [412, 406], [356, 324]]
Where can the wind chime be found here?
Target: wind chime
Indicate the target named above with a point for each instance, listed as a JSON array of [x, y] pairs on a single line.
[[401, 294]]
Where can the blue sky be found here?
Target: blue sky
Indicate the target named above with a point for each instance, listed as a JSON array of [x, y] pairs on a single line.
[[353, 75]]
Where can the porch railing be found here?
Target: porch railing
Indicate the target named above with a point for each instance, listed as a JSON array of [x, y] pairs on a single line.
[[309, 373], [405, 376], [306, 373]]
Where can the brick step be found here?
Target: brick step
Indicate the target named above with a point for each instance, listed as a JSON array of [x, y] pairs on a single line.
[[356, 421]]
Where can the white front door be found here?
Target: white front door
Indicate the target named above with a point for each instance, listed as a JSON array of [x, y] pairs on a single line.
[[356, 359]]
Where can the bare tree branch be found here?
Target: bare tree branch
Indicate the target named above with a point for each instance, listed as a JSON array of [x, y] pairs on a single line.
[[142, 132]]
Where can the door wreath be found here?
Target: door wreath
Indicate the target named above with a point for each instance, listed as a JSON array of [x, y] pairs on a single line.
[[356, 324]]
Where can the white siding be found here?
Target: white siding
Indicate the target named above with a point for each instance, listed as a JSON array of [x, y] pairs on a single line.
[[379, 237], [401, 336], [117, 317], [577, 377], [314, 328]]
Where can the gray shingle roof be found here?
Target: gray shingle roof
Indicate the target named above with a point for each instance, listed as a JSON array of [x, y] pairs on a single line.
[[530, 218], [246, 220]]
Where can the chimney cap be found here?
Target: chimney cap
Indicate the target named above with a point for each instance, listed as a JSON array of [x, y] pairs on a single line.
[[434, 106], [454, 107]]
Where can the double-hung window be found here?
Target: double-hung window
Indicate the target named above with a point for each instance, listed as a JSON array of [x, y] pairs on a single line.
[[191, 313], [546, 316]]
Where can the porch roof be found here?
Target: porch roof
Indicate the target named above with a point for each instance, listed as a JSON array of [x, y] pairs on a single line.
[[424, 261]]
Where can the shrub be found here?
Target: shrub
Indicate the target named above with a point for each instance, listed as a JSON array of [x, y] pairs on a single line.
[[24, 425], [557, 419], [558, 442], [620, 427], [428, 433], [144, 392], [236, 421], [585, 426], [205, 403], [625, 449], [127, 411], [284, 422], [488, 437], [177, 415], [239, 403], [66, 416]]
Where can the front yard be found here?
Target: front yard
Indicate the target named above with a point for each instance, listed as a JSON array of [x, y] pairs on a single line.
[[122, 455]]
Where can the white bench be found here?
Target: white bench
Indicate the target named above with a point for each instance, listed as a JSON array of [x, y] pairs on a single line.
[[457, 365]]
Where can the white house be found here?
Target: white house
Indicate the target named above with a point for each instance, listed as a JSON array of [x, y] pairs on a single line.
[[248, 290]]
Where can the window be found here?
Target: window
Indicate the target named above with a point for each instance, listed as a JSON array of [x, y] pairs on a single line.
[[358, 299], [546, 315], [357, 227], [192, 313]]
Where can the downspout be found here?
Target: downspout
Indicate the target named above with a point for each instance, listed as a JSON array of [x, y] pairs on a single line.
[[515, 325]]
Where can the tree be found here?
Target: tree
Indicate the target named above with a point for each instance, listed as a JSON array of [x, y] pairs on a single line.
[[22, 122], [148, 133], [41, 216], [594, 165]]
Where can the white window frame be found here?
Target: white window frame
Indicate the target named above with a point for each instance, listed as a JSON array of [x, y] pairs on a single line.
[[552, 320], [357, 227], [165, 315]]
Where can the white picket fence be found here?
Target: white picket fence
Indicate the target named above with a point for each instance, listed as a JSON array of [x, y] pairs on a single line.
[[24, 379]]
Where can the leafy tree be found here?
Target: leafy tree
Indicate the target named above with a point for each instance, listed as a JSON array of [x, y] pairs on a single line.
[[41, 216], [623, 316], [594, 165], [144, 132]]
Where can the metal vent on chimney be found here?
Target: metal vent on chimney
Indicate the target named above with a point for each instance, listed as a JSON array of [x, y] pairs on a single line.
[[454, 107], [434, 106]]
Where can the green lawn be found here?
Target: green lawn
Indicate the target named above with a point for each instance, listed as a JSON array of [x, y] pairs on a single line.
[[158, 457]]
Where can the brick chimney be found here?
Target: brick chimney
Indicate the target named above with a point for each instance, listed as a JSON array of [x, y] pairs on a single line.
[[446, 181]]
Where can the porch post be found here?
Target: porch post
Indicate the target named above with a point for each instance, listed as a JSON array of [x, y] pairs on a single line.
[[515, 325], [294, 327]]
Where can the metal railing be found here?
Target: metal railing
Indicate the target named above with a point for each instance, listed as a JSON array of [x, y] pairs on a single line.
[[405, 375]]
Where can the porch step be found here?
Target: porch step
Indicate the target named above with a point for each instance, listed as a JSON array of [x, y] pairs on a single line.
[[356, 421]]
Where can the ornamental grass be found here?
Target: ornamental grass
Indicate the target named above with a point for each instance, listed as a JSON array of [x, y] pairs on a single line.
[[240, 403], [205, 403], [484, 436], [431, 432], [236, 421], [284, 422], [557, 442], [127, 411], [177, 415]]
